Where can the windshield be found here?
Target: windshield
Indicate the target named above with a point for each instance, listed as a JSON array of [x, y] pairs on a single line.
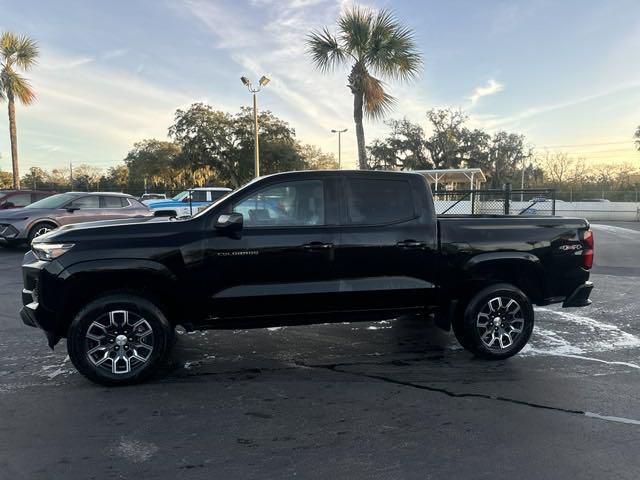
[[55, 201], [180, 196]]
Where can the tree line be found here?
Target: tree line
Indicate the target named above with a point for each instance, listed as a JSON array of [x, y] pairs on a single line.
[[452, 144], [205, 147]]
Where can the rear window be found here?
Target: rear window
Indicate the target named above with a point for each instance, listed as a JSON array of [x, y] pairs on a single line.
[[377, 201]]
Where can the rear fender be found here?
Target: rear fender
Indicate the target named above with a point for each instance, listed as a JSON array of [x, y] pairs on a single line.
[[521, 269]]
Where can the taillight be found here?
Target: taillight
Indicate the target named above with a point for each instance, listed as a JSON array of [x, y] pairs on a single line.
[[587, 253]]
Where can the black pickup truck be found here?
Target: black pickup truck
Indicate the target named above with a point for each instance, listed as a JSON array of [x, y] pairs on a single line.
[[299, 248]]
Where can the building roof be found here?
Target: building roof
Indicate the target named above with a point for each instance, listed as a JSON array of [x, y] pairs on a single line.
[[450, 175]]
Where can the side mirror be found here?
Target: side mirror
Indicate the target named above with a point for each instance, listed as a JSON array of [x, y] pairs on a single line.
[[72, 209], [230, 224], [7, 205]]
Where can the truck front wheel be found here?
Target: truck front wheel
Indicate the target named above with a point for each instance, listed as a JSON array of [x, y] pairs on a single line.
[[497, 322], [119, 339]]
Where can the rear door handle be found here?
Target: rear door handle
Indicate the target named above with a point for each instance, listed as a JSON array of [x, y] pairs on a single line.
[[316, 246], [411, 244]]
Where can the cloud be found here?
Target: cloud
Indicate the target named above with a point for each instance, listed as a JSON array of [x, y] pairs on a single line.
[[53, 61], [269, 37], [491, 88], [115, 53], [98, 109], [515, 119]]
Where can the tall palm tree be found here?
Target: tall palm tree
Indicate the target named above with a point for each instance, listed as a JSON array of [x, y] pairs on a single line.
[[373, 43], [16, 52]]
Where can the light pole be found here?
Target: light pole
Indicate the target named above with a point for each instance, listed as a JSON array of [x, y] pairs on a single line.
[[339, 132], [261, 83], [524, 166]]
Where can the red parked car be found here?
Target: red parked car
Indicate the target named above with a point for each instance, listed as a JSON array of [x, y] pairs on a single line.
[[20, 198]]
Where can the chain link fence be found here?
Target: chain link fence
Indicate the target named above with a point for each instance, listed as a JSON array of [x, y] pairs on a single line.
[[601, 195], [495, 202]]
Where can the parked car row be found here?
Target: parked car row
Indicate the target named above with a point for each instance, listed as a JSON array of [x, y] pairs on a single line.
[[20, 198], [186, 203], [25, 214]]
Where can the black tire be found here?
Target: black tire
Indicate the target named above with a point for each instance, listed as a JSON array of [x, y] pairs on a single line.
[[495, 329], [154, 330], [39, 229]]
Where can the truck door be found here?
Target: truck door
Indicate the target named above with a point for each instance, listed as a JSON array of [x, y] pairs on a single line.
[[386, 257], [283, 262]]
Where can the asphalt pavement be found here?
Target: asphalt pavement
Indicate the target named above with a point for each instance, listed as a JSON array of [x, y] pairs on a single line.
[[397, 399]]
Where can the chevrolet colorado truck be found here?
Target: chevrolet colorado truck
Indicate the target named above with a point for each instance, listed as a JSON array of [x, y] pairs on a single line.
[[299, 248]]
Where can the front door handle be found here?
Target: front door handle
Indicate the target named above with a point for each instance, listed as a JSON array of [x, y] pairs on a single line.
[[316, 246], [411, 244]]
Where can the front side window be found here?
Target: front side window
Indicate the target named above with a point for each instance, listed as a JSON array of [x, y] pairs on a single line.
[[289, 204], [376, 201], [90, 201], [181, 196], [54, 201]]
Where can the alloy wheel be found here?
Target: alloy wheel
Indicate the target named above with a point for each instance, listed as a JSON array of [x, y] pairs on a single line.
[[119, 341], [500, 322], [41, 231]]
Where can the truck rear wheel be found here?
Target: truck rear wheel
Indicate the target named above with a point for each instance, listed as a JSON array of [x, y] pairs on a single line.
[[497, 322], [119, 339]]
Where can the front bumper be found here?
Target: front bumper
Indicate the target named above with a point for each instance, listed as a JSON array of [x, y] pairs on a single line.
[[580, 296], [34, 316], [8, 232], [34, 312]]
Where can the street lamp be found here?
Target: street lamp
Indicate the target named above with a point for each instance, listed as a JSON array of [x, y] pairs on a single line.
[[261, 83], [339, 132]]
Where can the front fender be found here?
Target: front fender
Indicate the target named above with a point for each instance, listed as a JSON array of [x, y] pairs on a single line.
[[118, 265]]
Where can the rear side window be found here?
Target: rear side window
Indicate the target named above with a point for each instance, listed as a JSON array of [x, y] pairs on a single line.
[[199, 196], [216, 194], [373, 201], [90, 201], [111, 202]]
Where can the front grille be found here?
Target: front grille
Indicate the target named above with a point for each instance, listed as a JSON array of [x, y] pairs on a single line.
[[35, 292], [8, 231], [30, 280]]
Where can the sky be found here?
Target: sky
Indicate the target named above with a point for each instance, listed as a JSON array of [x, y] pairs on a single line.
[[564, 73]]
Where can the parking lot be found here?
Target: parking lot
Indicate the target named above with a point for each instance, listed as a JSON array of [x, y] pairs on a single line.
[[392, 399]]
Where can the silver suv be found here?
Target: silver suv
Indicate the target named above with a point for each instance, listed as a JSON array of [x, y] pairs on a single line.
[[24, 224]]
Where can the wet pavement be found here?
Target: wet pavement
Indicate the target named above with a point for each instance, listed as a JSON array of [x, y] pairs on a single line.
[[385, 400]]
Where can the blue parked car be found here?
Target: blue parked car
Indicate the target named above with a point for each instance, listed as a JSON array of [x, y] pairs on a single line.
[[186, 203]]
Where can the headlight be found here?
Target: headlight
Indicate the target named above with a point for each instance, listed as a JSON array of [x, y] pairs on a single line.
[[50, 251]]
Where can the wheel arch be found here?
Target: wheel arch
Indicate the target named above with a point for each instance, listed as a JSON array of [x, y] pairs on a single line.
[[38, 221], [520, 269], [85, 281]]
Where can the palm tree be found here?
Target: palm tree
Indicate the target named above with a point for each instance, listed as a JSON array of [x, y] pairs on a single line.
[[16, 52], [374, 43]]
